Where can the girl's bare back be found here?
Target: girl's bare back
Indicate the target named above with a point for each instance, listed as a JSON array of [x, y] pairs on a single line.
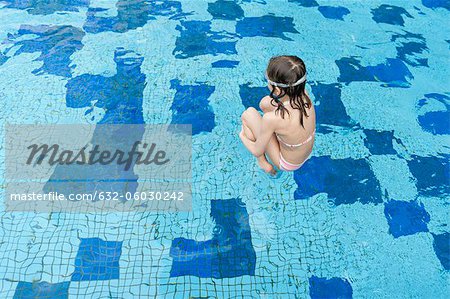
[[291, 131]]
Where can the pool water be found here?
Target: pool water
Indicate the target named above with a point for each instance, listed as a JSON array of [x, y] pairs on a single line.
[[366, 217]]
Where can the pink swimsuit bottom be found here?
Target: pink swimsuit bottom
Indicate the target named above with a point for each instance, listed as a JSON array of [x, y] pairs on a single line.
[[287, 166]]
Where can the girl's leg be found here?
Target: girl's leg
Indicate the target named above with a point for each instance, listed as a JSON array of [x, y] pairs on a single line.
[[251, 121], [266, 106], [248, 132]]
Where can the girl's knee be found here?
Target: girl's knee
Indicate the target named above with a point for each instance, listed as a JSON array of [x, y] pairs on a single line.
[[251, 110], [265, 104], [262, 106], [248, 112]]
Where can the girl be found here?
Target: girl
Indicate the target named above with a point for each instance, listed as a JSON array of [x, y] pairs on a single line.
[[286, 130]]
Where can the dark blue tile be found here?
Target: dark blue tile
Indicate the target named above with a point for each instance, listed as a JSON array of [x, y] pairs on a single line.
[[130, 15], [55, 43], [436, 4], [266, 26], [251, 96], [305, 3], [3, 58], [46, 7], [419, 11], [390, 14], [334, 12], [229, 253], [434, 97], [324, 288], [411, 48], [406, 218], [120, 97], [329, 107], [97, 260], [167, 8], [225, 64], [346, 181], [431, 174], [196, 38], [441, 245], [42, 290], [379, 142], [393, 72], [225, 10], [435, 122], [191, 106]]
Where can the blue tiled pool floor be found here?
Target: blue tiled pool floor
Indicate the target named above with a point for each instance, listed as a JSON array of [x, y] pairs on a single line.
[[366, 217]]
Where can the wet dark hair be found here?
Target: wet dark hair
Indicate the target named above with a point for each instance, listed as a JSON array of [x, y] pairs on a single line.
[[288, 70]]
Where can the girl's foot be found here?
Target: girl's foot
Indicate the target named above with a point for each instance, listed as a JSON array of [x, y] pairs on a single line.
[[266, 166]]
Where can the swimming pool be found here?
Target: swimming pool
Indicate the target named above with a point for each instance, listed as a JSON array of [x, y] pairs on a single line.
[[367, 216]]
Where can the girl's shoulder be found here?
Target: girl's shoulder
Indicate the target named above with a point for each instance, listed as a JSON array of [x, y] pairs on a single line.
[[274, 119], [271, 116]]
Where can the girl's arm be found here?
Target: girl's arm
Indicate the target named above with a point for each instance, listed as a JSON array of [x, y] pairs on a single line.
[[258, 147]]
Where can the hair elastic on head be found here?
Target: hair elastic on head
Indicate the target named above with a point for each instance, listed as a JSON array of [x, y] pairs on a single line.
[[299, 81]]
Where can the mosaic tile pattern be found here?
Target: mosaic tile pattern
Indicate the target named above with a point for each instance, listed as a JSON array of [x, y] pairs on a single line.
[[228, 254], [41, 290], [97, 260], [367, 215], [329, 288]]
